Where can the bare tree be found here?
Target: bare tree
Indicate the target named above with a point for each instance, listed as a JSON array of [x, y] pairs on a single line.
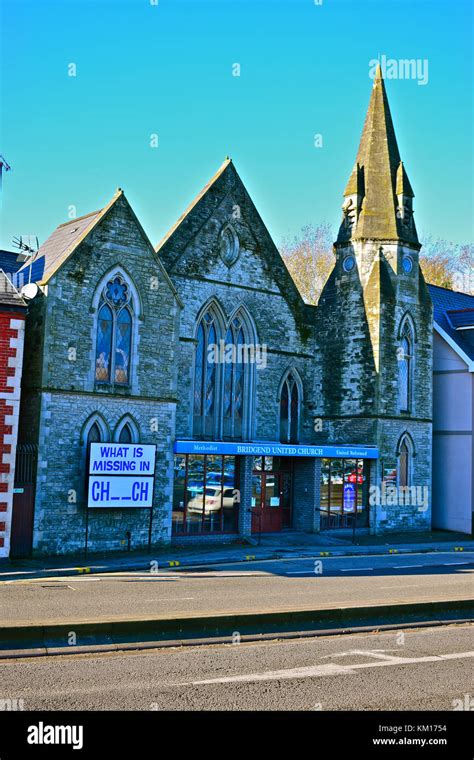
[[309, 257]]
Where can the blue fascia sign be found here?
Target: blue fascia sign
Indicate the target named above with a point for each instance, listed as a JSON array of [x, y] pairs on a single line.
[[275, 450]]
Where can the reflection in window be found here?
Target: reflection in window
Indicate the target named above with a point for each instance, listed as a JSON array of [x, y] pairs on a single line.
[[344, 493], [289, 410], [205, 499], [205, 377], [114, 333], [234, 381]]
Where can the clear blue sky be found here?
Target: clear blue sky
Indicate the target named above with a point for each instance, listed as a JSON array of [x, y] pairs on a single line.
[[167, 69]]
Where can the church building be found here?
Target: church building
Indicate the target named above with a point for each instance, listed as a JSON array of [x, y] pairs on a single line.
[[266, 413]]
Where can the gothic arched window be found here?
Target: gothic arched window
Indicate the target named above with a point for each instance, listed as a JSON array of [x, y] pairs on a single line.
[[234, 379], [125, 435], [94, 435], [289, 410], [114, 333], [205, 377], [405, 358], [404, 463]]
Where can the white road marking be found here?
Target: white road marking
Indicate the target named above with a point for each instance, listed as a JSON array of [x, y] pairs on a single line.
[[331, 669], [357, 569], [457, 563]]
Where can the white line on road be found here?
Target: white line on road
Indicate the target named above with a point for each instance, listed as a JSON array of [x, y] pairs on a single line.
[[357, 569], [331, 669]]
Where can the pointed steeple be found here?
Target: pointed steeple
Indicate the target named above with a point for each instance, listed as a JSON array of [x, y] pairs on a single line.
[[378, 187]]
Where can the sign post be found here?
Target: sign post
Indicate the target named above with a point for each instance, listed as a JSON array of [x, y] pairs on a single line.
[[120, 476]]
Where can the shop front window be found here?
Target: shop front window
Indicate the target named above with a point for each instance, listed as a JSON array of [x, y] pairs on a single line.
[[205, 495], [344, 493]]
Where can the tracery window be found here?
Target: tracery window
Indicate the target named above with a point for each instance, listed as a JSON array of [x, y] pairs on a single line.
[[234, 380], [289, 410], [114, 333], [205, 377], [405, 369]]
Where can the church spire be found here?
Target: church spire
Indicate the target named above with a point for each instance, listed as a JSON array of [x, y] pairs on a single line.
[[378, 195]]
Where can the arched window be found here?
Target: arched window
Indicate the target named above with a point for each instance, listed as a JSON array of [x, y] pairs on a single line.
[[289, 410], [94, 435], [114, 333], [125, 435], [405, 358], [205, 377], [234, 380], [404, 462]]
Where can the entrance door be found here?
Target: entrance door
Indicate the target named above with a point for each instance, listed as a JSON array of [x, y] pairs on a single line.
[[267, 502], [23, 501]]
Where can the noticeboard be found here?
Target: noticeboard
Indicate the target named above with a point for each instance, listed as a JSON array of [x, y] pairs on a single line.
[[121, 475]]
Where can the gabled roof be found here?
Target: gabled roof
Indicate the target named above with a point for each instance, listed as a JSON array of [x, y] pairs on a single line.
[[61, 244], [193, 203], [9, 295], [461, 319], [445, 303], [172, 246], [66, 238]]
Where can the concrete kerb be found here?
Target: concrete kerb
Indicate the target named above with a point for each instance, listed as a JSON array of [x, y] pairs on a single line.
[[27, 640]]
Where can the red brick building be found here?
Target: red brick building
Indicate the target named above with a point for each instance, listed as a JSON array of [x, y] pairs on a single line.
[[12, 332]]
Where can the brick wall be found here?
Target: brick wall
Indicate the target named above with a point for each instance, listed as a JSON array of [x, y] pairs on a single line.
[[12, 329]]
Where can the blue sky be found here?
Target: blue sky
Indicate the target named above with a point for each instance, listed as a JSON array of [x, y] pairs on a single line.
[[166, 69]]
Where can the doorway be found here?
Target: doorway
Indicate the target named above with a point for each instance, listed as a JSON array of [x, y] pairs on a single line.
[[272, 486], [21, 538]]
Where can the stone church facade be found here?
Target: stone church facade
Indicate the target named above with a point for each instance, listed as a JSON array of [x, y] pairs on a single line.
[[267, 413]]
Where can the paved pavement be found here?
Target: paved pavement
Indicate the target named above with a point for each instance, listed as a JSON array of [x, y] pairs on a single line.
[[291, 583], [429, 669], [274, 546]]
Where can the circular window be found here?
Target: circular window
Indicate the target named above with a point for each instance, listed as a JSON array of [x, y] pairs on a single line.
[[407, 264], [348, 264]]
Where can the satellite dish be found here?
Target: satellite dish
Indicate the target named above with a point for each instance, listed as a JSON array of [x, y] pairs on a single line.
[[29, 291]]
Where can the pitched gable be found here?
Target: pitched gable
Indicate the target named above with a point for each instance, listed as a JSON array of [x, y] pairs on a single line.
[[192, 246], [67, 238]]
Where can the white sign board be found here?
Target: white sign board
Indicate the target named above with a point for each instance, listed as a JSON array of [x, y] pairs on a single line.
[[122, 459], [121, 475], [127, 491]]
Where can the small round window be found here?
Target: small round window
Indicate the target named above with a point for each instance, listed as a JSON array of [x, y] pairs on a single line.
[[407, 264], [348, 264]]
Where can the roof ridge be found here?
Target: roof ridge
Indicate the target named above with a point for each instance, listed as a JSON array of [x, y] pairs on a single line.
[[79, 218], [193, 203]]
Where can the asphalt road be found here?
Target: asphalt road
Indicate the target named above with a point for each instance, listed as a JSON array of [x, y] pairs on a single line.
[[261, 585], [420, 669]]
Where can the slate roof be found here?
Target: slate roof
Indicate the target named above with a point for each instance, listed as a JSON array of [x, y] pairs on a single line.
[[446, 304], [9, 295], [11, 261], [57, 248]]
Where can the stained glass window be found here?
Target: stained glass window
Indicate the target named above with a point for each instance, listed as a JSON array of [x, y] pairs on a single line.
[[122, 346], [114, 333], [104, 344]]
